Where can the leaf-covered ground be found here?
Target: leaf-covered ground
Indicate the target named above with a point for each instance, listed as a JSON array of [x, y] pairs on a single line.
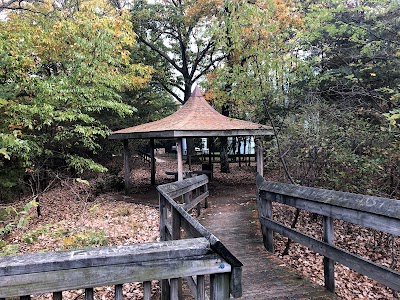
[[73, 217]]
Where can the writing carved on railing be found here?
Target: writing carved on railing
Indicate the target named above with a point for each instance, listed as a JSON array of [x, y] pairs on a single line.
[[374, 212]]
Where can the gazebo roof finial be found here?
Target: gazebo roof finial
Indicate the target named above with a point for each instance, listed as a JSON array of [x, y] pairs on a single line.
[[196, 92]]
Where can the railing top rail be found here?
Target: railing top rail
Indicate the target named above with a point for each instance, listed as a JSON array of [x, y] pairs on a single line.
[[178, 188], [171, 189], [103, 256], [376, 205]]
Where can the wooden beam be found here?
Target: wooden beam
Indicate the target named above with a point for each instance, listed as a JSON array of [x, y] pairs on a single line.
[[146, 290], [71, 279], [127, 169], [152, 162], [96, 257], [118, 292], [179, 155], [219, 286], [260, 157], [382, 274], [329, 264], [176, 189]]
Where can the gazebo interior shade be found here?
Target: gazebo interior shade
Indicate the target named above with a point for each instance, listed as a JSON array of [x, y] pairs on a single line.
[[196, 118]]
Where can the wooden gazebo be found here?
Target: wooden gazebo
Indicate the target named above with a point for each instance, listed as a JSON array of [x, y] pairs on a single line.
[[196, 118]]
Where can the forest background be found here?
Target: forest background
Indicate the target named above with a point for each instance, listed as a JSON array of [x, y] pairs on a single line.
[[323, 73]]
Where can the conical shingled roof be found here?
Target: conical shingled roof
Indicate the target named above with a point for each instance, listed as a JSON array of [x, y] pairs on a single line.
[[196, 118]]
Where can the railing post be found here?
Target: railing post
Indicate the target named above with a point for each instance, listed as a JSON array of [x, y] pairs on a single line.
[[118, 292], [200, 288], [147, 290], [265, 211], [329, 264], [174, 282], [163, 218], [25, 297], [176, 225], [163, 237], [89, 295], [57, 295], [127, 169], [219, 286], [152, 162], [176, 235]]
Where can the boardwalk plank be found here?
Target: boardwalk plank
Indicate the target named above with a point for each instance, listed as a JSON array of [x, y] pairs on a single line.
[[264, 276]]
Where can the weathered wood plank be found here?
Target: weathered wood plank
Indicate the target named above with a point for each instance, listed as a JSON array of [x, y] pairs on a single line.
[[165, 289], [379, 273], [152, 162], [236, 282], [45, 282], [89, 294], [174, 286], [201, 288], [219, 287], [178, 188], [265, 210], [118, 292], [57, 295], [127, 169], [188, 220], [195, 201], [92, 257], [147, 290], [163, 217], [376, 205], [329, 264], [194, 228], [364, 218]]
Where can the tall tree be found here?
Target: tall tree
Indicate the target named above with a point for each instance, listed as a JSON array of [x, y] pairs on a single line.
[[57, 74], [176, 33]]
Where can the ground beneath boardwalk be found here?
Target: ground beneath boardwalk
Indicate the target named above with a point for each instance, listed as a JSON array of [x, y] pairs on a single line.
[[72, 217]]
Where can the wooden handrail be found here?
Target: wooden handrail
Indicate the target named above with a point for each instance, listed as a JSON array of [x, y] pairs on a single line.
[[378, 213], [48, 272], [179, 219], [200, 254]]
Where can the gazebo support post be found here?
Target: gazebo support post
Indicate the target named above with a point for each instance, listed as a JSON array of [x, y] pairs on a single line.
[[180, 158], [260, 156], [209, 142], [127, 169], [152, 162]]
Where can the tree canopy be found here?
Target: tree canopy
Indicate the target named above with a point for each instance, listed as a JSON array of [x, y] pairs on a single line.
[[57, 74]]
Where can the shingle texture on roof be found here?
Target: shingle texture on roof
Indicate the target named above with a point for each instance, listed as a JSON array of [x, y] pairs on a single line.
[[196, 115]]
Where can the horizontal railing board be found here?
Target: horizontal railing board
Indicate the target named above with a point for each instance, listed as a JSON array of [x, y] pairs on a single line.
[[195, 201], [178, 188], [215, 243], [194, 229], [376, 205], [46, 282], [61, 260], [379, 273], [367, 219]]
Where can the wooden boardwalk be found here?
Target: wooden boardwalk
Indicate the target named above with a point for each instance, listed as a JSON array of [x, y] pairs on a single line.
[[236, 224]]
